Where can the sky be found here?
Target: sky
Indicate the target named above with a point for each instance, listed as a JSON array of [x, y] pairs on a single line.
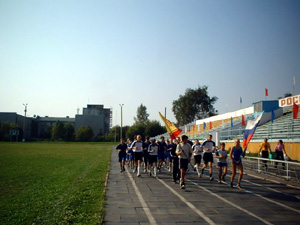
[[59, 55]]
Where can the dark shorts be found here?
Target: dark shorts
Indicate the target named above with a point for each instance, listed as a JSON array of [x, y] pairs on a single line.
[[122, 156], [208, 157], [152, 159], [131, 157], [138, 156], [264, 154], [169, 156], [161, 156], [145, 153], [237, 161], [197, 159], [183, 164], [220, 164]]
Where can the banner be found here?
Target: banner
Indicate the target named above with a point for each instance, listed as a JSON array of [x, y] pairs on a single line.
[[289, 101], [171, 128], [250, 130]]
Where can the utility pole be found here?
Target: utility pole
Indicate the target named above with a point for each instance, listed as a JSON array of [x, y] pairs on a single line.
[[121, 135], [24, 125]]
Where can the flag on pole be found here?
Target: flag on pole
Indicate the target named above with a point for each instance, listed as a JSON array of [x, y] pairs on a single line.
[[241, 100], [231, 122], [295, 111], [171, 128], [250, 130], [243, 121], [266, 92], [294, 81], [273, 115], [204, 126], [210, 125]]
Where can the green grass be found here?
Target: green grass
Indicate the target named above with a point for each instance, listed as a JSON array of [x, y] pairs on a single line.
[[53, 183]]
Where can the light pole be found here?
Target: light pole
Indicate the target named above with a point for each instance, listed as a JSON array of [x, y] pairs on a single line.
[[121, 120], [24, 125]]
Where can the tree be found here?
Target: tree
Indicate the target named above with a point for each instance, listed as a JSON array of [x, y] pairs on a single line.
[[69, 132], [84, 133], [141, 115], [287, 95], [194, 104], [136, 129], [154, 128], [58, 131]]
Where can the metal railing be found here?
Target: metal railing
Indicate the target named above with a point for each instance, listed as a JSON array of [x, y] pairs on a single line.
[[288, 170]]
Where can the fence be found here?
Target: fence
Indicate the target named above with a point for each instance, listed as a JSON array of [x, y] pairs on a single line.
[[288, 170]]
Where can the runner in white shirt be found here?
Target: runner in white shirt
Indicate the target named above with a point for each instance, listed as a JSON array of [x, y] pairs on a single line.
[[137, 147], [221, 154], [208, 147], [153, 151], [197, 151]]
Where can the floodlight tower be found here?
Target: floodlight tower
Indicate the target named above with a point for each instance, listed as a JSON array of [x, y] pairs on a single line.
[[121, 105], [24, 125]]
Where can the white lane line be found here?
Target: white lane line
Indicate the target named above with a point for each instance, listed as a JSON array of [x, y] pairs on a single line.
[[230, 203], [142, 201], [274, 181], [201, 214], [270, 200], [271, 189]]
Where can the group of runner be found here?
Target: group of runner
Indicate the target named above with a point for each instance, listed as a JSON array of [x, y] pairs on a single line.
[[176, 155]]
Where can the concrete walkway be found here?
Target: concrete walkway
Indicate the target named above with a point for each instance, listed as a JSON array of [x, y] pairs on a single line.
[[145, 200]]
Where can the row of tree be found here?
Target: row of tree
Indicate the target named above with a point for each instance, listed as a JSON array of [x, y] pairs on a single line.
[[194, 104]]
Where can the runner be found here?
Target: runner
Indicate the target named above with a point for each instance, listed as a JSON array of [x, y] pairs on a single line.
[[145, 153], [121, 148], [222, 156], [161, 152], [168, 153], [197, 150], [235, 156], [184, 152], [264, 149], [128, 146], [153, 150], [175, 160], [208, 147], [137, 147], [279, 150]]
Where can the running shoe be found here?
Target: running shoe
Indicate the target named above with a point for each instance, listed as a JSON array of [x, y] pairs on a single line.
[[199, 175], [182, 186], [223, 178], [138, 175], [211, 178], [219, 181], [231, 185], [239, 186], [150, 174]]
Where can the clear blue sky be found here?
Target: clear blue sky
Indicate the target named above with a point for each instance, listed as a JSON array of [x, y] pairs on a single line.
[[60, 55]]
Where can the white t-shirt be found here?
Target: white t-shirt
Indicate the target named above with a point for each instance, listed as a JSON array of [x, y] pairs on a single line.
[[153, 147], [222, 153], [198, 148], [208, 144], [138, 145], [187, 148]]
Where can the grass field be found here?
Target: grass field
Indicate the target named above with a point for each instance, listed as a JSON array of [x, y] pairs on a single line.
[[53, 183]]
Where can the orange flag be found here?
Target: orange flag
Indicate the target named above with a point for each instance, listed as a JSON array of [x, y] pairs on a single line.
[[171, 128], [243, 121], [295, 111]]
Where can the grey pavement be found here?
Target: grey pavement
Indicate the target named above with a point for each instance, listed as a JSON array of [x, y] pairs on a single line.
[[259, 202]]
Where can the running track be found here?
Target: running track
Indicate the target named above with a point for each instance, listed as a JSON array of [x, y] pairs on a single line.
[[145, 200]]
